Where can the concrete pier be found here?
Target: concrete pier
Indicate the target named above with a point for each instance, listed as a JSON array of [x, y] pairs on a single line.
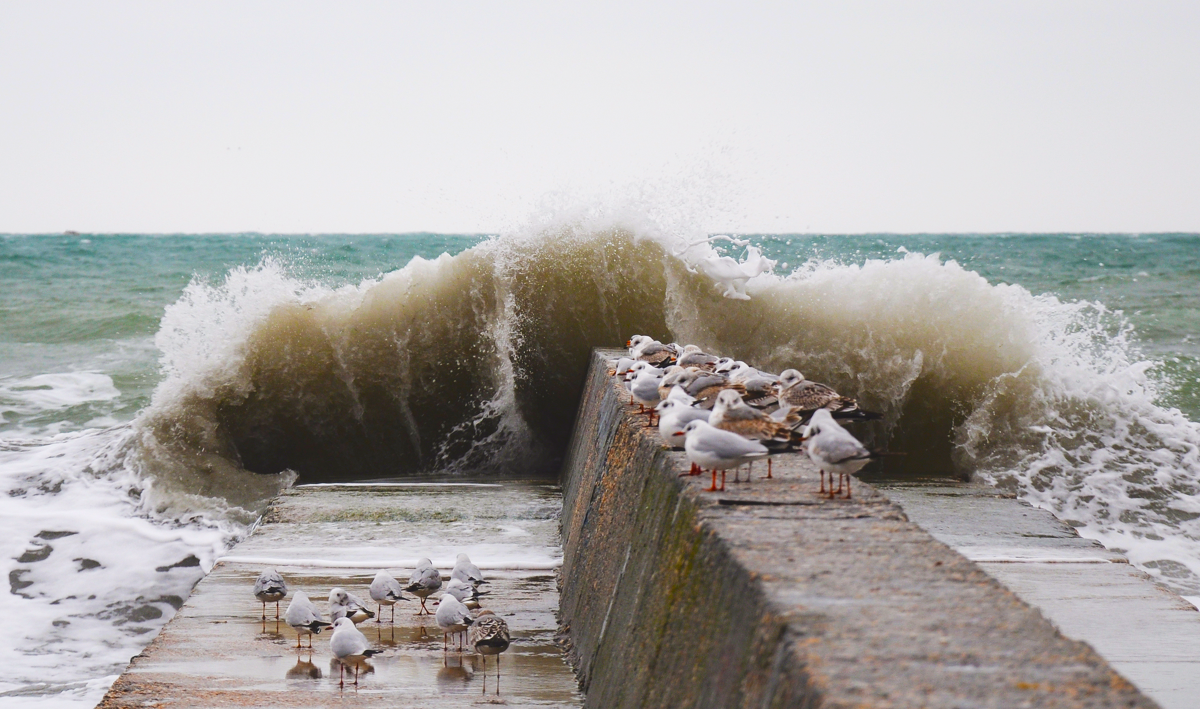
[[218, 652], [770, 595]]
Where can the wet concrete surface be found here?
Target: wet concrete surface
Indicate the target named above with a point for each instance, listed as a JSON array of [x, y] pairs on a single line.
[[218, 651], [1146, 632]]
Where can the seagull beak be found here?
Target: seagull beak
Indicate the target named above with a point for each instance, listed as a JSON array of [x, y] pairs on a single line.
[[678, 433]]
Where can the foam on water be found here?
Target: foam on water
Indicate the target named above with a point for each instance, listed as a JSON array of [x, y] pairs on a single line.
[[472, 364], [92, 576]]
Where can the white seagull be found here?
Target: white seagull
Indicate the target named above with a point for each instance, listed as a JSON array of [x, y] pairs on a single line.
[[304, 616], [834, 450], [466, 594], [385, 591], [350, 647], [343, 604], [452, 617], [673, 415], [645, 388], [715, 449], [467, 572]]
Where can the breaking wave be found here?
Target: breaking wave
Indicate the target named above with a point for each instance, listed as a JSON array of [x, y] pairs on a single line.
[[473, 363]]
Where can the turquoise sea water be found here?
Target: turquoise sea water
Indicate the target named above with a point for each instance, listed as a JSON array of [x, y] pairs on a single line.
[[94, 302]]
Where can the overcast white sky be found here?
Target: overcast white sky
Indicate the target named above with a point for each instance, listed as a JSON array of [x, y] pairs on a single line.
[[462, 116]]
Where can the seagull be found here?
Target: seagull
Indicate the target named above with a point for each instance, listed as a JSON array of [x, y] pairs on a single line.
[[705, 386], [671, 377], [715, 449], [725, 365], [631, 374], [620, 366], [467, 572], [645, 389], [677, 393], [385, 591], [424, 582], [304, 617], [652, 351], [760, 386], [343, 604], [466, 594], [796, 392], [680, 377], [673, 415], [270, 588], [732, 414], [350, 647], [834, 450], [490, 636], [452, 617], [693, 356]]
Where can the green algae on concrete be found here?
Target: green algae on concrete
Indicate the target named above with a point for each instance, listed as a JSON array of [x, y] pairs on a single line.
[[769, 595]]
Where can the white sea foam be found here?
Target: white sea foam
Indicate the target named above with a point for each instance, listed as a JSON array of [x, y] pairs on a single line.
[[92, 577], [56, 391]]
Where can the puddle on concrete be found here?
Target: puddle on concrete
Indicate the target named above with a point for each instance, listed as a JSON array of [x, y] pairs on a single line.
[[218, 644]]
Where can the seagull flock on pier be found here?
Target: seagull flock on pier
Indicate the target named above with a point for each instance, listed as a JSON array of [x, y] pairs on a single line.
[[726, 414], [460, 595]]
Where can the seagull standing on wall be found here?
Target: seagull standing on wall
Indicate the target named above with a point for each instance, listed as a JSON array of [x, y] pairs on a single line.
[[834, 450], [715, 449]]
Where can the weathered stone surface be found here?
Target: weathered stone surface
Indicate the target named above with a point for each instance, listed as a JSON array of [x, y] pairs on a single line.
[[770, 595]]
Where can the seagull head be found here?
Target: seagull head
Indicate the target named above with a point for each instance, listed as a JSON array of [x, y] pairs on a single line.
[[821, 420], [789, 377], [342, 623], [728, 399]]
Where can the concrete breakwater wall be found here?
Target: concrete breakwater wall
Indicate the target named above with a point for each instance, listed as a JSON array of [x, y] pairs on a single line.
[[769, 595]]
